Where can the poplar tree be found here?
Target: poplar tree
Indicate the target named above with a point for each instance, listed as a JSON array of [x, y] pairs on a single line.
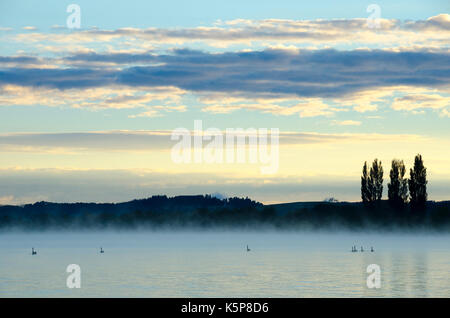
[[398, 186], [418, 184], [372, 182], [365, 184], [376, 181]]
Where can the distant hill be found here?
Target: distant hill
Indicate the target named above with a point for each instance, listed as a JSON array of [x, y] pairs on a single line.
[[210, 211]]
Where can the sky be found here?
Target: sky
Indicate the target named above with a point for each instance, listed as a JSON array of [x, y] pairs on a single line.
[[88, 113]]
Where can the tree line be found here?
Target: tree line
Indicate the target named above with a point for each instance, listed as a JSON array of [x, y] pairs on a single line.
[[400, 189]]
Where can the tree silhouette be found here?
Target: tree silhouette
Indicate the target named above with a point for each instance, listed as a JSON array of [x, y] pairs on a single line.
[[372, 182], [365, 184], [376, 181], [418, 184], [398, 187]]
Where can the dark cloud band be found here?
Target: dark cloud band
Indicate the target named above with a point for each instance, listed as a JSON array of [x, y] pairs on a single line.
[[305, 73]]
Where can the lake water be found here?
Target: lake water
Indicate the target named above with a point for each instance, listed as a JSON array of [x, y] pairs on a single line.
[[216, 264]]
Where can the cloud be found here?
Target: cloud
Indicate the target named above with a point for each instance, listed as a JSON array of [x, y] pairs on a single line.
[[282, 67], [304, 107], [97, 141], [156, 111], [19, 60], [275, 31], [58, 27], [29, 28], [347, 123], [440, 22], [303, 73], [419, 102], [161, 140], [149, 113], [26, 62], [115, 97], [306, 83]]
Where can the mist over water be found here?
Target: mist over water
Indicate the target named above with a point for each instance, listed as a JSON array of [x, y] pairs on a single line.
[[216, 264]]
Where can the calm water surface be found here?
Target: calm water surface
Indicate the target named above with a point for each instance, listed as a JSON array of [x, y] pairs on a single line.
[[216, 264]]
